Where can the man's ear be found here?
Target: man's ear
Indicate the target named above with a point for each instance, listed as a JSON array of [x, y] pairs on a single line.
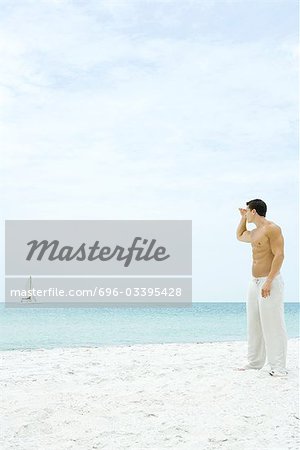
[[253, 211]]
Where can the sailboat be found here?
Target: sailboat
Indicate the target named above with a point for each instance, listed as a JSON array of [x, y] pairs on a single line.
[[30, 298]]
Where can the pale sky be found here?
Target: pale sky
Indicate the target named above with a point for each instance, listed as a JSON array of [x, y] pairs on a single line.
[[154, 110]]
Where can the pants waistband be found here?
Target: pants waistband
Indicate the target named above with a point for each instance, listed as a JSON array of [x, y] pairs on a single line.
[[264, 278]]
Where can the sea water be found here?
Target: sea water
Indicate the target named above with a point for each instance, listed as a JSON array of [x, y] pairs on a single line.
[[28, 328]]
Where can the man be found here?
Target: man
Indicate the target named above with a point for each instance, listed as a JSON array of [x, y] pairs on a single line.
[[267, 334]]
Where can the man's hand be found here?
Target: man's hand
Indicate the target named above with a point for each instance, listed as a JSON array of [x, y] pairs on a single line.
[[243, 212], [266, 289]]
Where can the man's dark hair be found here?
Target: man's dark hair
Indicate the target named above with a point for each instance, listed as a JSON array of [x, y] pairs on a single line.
[[258, 205]]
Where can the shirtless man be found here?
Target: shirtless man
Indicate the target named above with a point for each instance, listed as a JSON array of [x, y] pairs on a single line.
[[267, 336]]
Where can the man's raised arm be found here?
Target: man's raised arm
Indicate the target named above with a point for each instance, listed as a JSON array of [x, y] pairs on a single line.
[[242, 233]]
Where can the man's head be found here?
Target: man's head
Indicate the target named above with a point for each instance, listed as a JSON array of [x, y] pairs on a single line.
[[254, 207]]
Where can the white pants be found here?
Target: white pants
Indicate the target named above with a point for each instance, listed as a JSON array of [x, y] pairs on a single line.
[[267, 335]]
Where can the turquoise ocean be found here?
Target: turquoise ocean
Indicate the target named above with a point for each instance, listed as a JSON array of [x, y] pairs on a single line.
[[29, 328]]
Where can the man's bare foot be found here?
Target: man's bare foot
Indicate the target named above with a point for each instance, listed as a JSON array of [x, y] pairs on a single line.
[[246, 367]]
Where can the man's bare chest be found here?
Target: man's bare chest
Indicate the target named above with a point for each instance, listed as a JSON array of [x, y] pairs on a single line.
[[259, 241]]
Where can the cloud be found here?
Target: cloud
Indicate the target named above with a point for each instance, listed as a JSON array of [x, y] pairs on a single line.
[[149, 110]]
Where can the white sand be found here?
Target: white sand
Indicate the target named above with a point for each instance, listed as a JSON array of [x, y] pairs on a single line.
[[175, 396]]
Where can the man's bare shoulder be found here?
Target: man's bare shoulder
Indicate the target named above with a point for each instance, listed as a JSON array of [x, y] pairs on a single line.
[[272, 229]]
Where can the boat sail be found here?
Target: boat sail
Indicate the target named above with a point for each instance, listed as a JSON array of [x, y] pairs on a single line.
[[30, 298]]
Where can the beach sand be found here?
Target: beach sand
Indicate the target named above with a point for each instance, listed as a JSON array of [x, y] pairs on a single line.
[[155, 396]]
